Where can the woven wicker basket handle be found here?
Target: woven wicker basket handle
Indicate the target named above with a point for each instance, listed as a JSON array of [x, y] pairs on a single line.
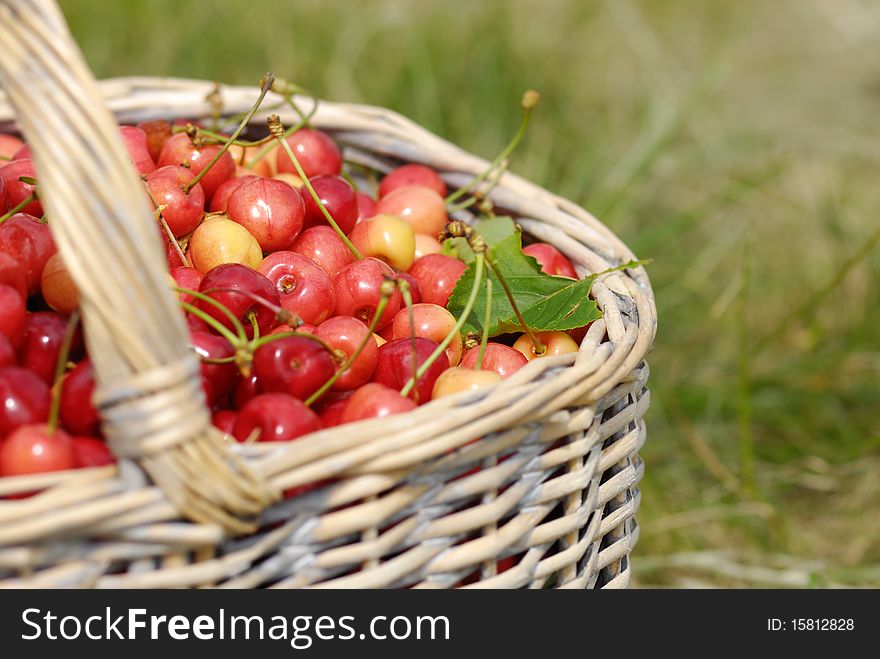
[[149, 391]]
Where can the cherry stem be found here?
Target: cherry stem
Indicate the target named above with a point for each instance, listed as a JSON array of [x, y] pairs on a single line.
[[213, 322], [20, 207], [487, 320], [269, 338], [265, 86], [221, 360], [479, 263], [277, 130], [236, 323], [254, 325], [166, 228], [403, 285], [387, 291], [483, 194], [266, 150], [281, 314], [529, 101], [60, 369], [213, 137]]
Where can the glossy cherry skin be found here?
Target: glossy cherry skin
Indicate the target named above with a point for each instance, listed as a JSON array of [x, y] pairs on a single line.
[[224, 421], [270, 210], [43, 336], [219, 240], [245, 389], [179, 150], [303, 287], [184, 210], [345, 334], [217, 379], [9, 145], [78, 413], [551, 260], [437, 275], [12, 274], [426, 244], [366, 206], [420, 207], [138, 148], [157, 132], [431, 322], [188, 278], [91, 452], [7, 352], [278, 417], [316, 152], [412, 174], [30, 241], [498, 357], [24, 399], [220, 200], [339, 199], [13, 315], [388, 238], [57, 286], [415, 291], [394, 367], [17, 191], [358, 291], [295, 365], [332, 407], [240, 290], [31, 449], [555, 343], [457, 379], [323, 245], [375, 400]]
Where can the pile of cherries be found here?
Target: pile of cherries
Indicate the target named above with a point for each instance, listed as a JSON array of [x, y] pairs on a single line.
[[305, 315]]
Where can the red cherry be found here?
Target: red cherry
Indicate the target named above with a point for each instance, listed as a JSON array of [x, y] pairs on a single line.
[[17, 191], [179, 150], [32, 450], [184, 210], [30, 241], [551, 260], [278, 417], [240, 290], [138, 148], [295, 365], [339, 199], [345, 334], [7, 352], [316, 152], [196, 324], [188, 278], [323, 245], [157, 132], [220, 200], [332, 408], [43, 336], [9, 144], [246, 389], [395, 366], [412, 174], [366, 206], [172, 256], [303, 287], [78, 413], [2, 196], [375, 400], [420, 207], [225, 420], [271, 210], [217, 379], [13, 315], [437, 275], [415, 291], [12, 274], [92, 452], [502, 359], [24, 399], [358, 291]]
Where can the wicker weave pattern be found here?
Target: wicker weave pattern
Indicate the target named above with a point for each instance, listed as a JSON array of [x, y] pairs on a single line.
[[410, 500]]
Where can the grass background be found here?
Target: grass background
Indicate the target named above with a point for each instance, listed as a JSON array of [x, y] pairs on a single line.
[[733, 142]]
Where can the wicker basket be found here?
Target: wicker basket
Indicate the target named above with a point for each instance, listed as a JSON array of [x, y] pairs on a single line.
[[410, 500]]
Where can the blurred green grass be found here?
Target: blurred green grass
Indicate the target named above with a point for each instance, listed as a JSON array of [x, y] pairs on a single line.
[[733, 143]]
